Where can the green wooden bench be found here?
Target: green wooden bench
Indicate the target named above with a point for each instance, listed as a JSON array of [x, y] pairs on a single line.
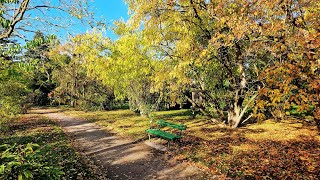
[[164, 134]]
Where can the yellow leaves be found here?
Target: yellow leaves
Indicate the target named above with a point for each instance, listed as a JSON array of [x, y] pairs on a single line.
[[257, 32], [223, 20], [275, 95], [203, 54]]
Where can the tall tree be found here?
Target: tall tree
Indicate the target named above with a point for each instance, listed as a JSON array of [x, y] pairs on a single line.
[[79, 87], [19, 18], [37, 54], [14, 88], [129, 68], [211, 47]]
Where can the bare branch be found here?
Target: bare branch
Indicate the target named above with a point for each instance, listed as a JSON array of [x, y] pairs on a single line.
[[18, 16], [247, 118], [247, 105], [46, 7], [39, 14]]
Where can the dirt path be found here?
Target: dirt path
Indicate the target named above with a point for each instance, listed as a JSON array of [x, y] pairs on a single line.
[[120, 158]]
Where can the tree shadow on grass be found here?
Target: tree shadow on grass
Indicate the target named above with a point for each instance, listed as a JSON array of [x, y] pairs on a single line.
[[111, 118], [41, 139], [13, 127]]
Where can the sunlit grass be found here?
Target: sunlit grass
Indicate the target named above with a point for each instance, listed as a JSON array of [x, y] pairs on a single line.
[[125, 122], [281, 131], [129, 123]]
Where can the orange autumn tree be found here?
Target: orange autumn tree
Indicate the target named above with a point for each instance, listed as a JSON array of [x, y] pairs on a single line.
[[292, 30], [228, 52], [212, 49]]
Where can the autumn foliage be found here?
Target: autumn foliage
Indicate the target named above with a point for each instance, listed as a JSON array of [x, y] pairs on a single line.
[[241, 60], [293, 80], [238, 61]]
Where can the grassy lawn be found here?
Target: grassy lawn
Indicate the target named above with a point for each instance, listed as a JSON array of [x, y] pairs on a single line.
[[269, 150], [128, 123], [54, 151]]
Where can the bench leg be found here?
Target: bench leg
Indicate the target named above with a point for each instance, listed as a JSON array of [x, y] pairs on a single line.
[[149, 137]]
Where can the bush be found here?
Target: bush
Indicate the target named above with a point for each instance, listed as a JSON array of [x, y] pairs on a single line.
[[25, 162], [12, 93]]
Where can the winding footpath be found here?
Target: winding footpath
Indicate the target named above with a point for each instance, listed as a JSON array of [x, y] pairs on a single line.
[[117, 157]]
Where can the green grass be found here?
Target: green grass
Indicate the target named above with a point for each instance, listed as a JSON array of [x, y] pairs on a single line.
[[55, 148], [288, 149], [128, 123], [124, 122]]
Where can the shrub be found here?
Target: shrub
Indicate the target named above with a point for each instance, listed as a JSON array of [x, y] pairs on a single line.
[[25, 162]]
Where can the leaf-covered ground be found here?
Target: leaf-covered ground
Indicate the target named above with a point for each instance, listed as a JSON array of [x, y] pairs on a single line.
[[289, 149], [269, 150], [55, 148]]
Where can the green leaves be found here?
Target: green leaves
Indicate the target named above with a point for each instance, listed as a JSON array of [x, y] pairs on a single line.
[[9, 1], [41, 40], [35, 148], [81, 61], [13, 89], [22, 161], [4, 23], [2, 169]]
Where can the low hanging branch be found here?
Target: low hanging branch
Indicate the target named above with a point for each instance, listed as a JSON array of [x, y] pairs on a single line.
[[18, 16]]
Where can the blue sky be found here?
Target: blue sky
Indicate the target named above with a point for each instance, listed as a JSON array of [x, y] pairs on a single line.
[[108, 10], [111, 10]]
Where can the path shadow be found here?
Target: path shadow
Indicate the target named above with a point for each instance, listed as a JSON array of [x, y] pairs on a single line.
[[45, 110]]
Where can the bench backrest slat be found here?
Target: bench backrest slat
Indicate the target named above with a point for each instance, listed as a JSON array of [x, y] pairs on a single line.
[[164, 123]]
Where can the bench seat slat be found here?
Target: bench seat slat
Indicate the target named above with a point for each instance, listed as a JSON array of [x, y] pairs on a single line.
[[163, 134]]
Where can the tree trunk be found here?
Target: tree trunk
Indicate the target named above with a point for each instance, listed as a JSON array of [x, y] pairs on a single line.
[[16, 18], [235, 114], [193, 100]]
